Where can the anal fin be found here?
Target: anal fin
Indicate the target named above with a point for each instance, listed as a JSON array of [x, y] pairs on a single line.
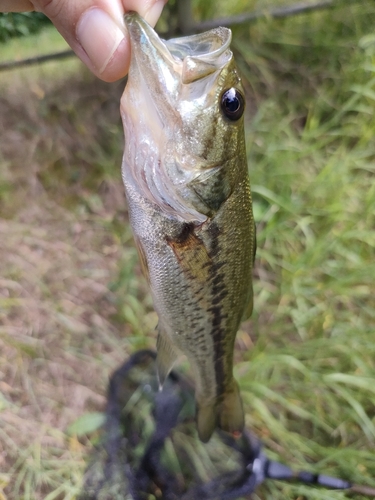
[[166, 357]]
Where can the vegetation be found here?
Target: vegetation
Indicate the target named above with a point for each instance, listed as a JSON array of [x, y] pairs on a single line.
[[73, 303], [21, 24]]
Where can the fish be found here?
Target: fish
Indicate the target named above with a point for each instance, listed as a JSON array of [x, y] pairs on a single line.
[[188, 194]]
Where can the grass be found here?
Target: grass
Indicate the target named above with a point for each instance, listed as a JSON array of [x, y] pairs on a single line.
[[309, 379], [72, 300], [45, 42]]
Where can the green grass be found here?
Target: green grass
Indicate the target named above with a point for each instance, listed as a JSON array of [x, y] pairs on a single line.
[[308, 382], [72, 300], [36, 77], [20, 24]]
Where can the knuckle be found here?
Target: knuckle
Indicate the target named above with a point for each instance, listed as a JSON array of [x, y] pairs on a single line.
[[52, 8]]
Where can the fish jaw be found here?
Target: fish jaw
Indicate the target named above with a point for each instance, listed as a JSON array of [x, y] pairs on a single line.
[[168, 65]]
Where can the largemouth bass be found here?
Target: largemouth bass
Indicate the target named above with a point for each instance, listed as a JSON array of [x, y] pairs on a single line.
[[188, 192]]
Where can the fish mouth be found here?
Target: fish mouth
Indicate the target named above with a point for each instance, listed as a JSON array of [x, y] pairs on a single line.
[[201, 54], [186, 59]]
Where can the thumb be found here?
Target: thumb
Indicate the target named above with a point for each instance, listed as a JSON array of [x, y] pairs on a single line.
[[96, 32]]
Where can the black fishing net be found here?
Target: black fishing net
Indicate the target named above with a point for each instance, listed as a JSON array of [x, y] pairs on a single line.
[[150, 448]]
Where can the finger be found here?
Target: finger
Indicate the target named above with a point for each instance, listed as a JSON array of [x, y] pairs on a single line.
[[113, 63], [96, 31], [148, 9], [16, 6]]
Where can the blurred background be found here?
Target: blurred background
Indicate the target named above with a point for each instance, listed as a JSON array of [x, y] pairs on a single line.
[[73, 302]]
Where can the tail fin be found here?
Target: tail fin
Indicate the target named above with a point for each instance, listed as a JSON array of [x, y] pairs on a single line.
[[206, 420], [226, 414], [231, 416]]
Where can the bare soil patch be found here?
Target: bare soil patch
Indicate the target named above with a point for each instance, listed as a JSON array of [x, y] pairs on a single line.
[[63, 224]]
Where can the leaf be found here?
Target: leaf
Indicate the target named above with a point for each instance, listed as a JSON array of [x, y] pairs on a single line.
[[86, 424]]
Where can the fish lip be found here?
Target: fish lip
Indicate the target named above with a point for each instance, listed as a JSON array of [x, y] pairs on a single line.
[[141, 34], [218, 40], [191, 45]]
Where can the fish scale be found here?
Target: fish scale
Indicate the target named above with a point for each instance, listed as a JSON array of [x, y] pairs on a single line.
[[188, 192]]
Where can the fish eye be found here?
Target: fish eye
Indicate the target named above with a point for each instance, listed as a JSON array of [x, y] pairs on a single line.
[[232, 104]]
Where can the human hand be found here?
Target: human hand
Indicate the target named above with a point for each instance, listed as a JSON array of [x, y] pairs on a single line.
[[95, 29]]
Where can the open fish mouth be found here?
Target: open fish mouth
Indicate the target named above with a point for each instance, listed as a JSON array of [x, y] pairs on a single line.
[[193, 57]]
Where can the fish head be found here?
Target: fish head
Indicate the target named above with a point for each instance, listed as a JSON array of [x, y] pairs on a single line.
[[182, 112]]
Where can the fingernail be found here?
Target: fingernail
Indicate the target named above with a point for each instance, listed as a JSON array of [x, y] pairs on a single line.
[[153, 14], [99, 36]]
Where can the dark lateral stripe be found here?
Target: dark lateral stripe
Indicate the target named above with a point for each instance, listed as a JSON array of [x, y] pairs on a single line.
[[218, 293]]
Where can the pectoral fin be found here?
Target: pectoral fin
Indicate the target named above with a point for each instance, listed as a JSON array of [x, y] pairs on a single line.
[[142, 258], [191, 254], [166, 357]]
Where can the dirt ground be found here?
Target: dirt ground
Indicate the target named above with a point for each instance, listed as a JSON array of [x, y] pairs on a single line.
[[63, 238]]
